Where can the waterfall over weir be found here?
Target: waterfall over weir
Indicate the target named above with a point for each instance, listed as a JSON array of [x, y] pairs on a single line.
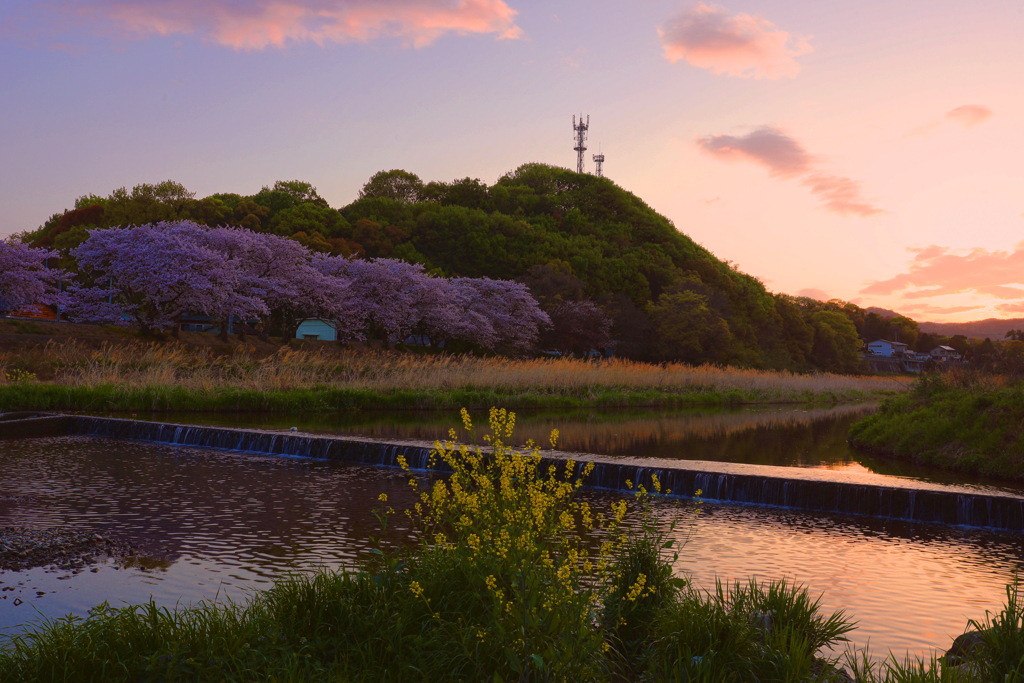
[[801, 489]]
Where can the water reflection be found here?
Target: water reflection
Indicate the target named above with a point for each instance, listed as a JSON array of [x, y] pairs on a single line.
[[225, 523], [779, 435]]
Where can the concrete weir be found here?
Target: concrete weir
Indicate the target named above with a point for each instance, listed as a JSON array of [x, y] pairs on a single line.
[[786, 487]]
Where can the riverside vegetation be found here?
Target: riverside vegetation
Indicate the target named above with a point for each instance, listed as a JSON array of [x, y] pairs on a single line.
[[152, 376], [510, 578], [596, 258], [961, 419]]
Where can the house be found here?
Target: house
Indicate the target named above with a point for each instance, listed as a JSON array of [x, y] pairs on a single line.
[[944, 354], [316, 329], [888, 349]]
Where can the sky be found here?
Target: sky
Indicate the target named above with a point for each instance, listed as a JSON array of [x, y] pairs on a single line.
[[867, 151]]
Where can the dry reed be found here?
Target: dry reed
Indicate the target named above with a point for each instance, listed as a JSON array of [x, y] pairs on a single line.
[[147, 365]]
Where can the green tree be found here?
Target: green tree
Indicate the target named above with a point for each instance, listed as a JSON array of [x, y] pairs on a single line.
[[904, 330], [688, 329], [308, 217], [396, 184], [836, 344]]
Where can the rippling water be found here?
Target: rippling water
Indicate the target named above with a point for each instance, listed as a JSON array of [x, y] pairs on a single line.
[[225, 523]]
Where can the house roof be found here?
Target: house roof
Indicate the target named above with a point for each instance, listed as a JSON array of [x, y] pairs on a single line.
[[946, 348]]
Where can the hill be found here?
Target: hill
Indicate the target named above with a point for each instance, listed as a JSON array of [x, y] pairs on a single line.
[[569, 236], [993, 328]]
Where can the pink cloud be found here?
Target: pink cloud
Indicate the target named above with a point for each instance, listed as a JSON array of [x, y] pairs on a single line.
[[742, 45], [276, 23], [813, 293], [969, 115], [841, 195], [1011, 308], [782, 155], [939, 271], [785, 157]]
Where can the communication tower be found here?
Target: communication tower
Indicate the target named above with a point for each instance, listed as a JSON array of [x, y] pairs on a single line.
[[599, 159], [581, 140]]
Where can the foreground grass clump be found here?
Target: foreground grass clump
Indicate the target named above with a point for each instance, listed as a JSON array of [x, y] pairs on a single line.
[[959, 419], [177, 377]]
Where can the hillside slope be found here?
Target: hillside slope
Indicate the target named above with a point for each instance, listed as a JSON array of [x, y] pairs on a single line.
[[568, 236]]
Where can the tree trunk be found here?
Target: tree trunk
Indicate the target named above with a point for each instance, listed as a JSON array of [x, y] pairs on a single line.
[[224, 324]]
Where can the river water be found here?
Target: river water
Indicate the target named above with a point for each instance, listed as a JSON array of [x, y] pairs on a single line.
[[217, 524]]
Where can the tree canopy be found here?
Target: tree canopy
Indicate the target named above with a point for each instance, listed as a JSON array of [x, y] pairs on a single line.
[[570, 238]]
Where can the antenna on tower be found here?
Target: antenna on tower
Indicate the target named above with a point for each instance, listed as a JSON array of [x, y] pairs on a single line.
[[599, 159], [581, 140]]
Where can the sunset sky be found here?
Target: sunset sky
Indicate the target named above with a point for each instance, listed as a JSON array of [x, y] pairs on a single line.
[[870, 151]]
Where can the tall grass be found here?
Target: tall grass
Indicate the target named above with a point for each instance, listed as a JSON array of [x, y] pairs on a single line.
[[243, 379]]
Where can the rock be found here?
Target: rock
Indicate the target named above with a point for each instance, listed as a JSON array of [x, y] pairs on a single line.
[[964, 648]]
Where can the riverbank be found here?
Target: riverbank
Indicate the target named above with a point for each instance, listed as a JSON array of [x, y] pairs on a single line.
[[957, 420], [176, 377]]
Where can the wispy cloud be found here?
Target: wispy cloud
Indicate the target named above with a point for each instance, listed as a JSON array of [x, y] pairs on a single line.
[[785, 157], [967, 115], [782, 155], [939, 271], [276, 23], [1011, 308], [742, 45], [841, 195], [814, 293]]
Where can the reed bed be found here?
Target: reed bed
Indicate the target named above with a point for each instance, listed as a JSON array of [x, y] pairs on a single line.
[[140, 365]]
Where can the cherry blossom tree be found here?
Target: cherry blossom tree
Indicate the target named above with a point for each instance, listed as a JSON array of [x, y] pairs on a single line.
[[155, 275], [24, 277], [456, 315], [281, 273], [514, 317], [392, 296]]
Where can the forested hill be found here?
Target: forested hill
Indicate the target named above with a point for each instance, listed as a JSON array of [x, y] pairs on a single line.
[[568, 236]]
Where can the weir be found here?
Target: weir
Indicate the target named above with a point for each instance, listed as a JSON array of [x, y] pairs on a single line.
[[795, 488]]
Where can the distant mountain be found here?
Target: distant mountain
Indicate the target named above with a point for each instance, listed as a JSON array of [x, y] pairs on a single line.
[[994, 328], [884, 312]]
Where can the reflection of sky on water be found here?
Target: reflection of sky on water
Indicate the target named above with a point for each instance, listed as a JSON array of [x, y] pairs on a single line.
[[228, 523], [775, 435]]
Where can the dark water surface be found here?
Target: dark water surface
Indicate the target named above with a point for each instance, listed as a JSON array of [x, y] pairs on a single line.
[[223, 523], [774, 435]]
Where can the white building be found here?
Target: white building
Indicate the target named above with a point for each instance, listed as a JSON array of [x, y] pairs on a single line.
[[887, 349], [944, 353]]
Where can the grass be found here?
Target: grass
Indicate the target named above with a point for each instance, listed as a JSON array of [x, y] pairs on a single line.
[[139, 376], [512, 579], [959, 420]]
